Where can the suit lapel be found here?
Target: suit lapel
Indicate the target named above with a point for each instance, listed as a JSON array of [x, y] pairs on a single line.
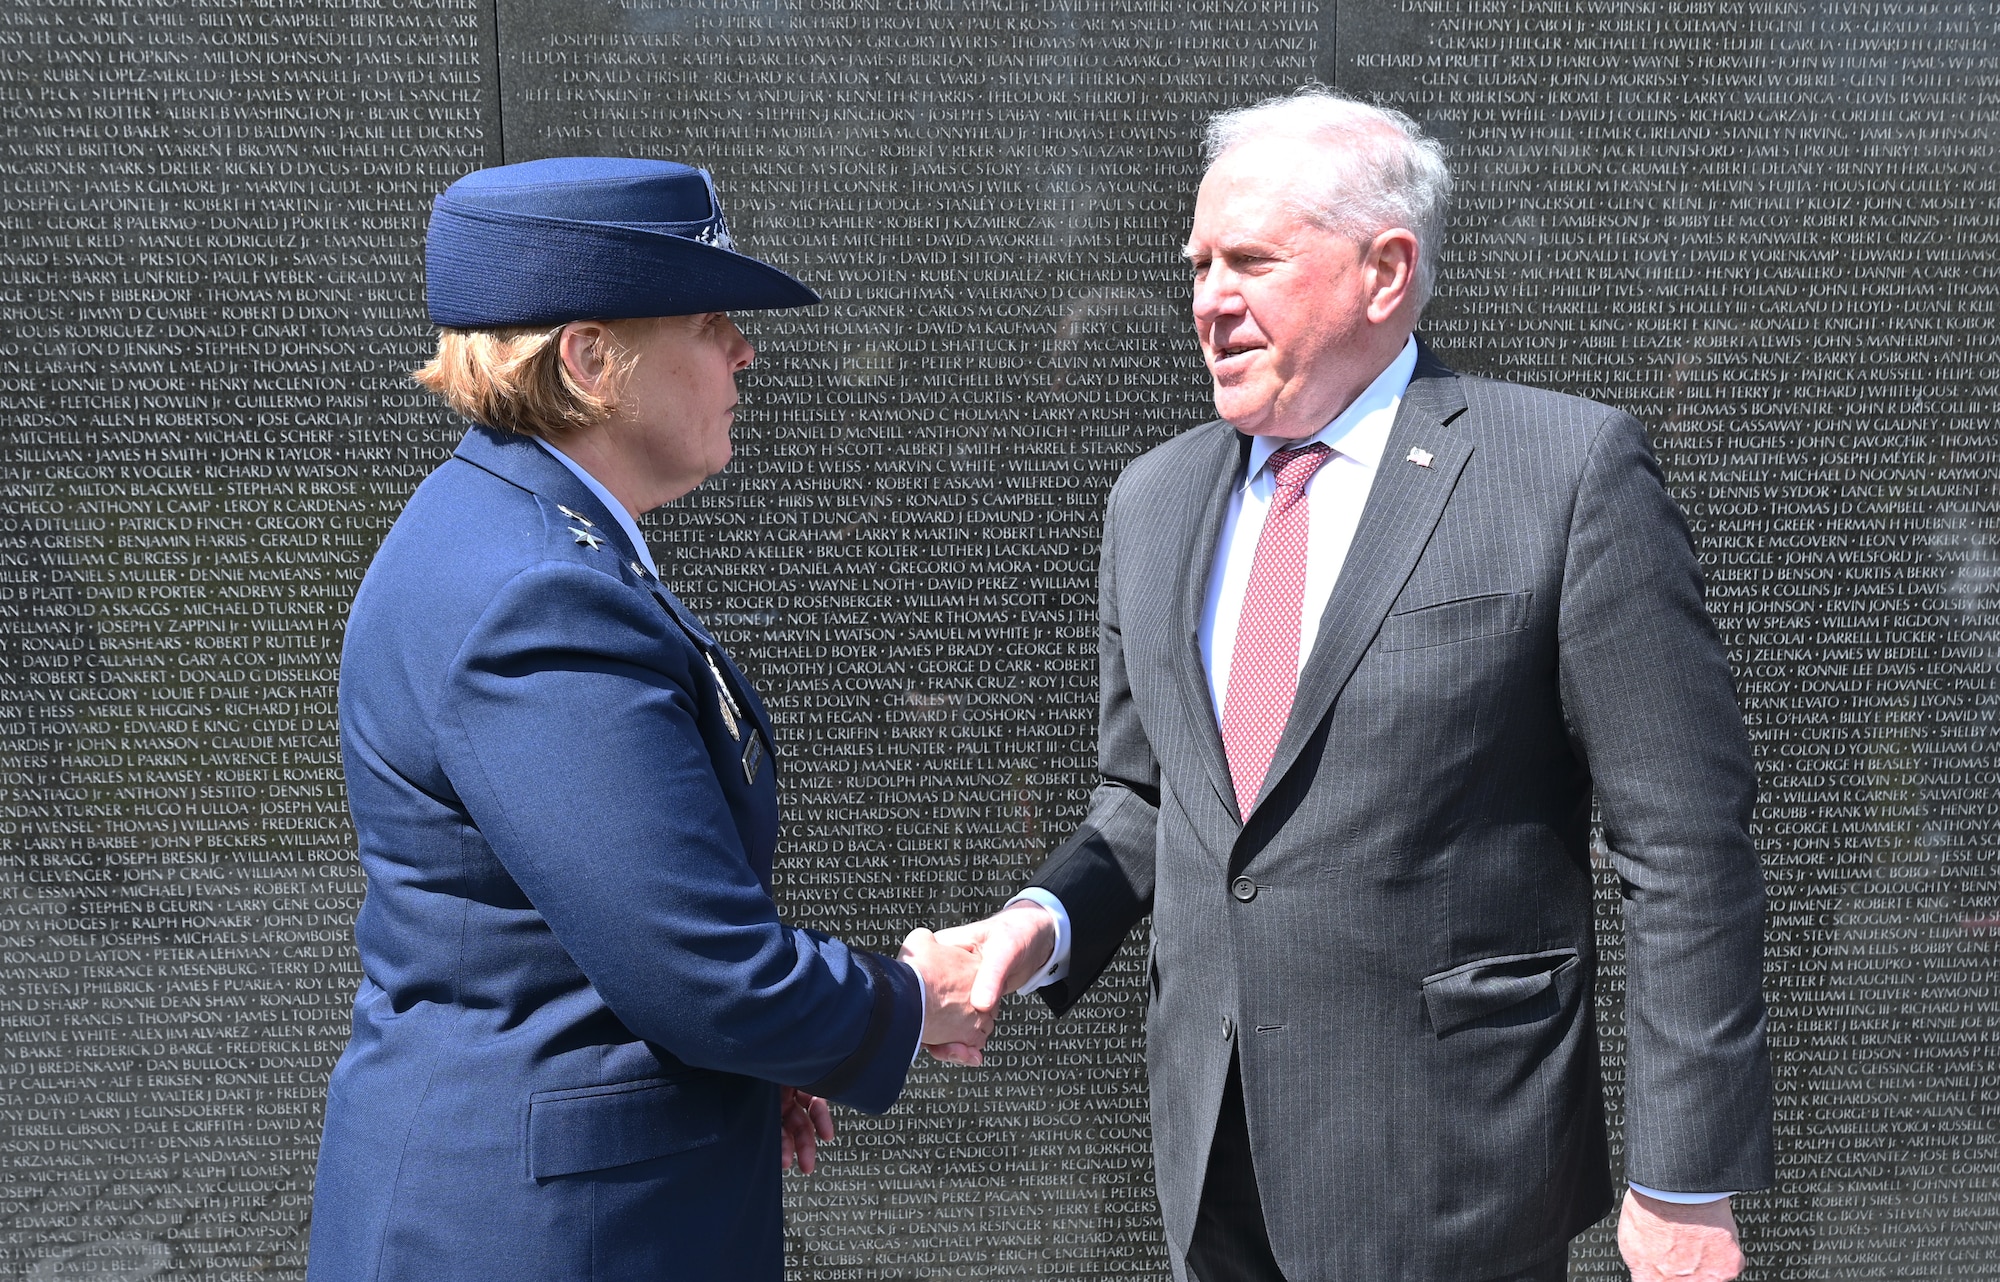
[[1403, 507], [1196, 557]]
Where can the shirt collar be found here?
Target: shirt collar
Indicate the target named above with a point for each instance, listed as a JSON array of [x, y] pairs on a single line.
[[1361, 431], [611, 505]]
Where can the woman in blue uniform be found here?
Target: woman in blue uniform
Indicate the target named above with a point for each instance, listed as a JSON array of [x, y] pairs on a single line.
[[585, 1045]]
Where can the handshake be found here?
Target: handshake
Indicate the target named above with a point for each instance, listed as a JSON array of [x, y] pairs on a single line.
[[967, 970]]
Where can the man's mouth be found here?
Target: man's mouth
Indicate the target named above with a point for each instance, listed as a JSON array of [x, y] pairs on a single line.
[[1231, 358]]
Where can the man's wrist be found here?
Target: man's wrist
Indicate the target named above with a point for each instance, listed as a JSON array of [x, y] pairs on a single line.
[[1678, 1199], [1057, 965]]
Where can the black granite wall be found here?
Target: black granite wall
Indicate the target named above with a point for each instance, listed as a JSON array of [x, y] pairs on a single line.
[[1765, 227]]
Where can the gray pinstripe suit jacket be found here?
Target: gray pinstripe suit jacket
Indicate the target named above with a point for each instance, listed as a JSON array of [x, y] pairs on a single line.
[[1406, 972]]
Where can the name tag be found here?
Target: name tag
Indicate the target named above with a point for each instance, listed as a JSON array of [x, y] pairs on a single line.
[[753, 757]]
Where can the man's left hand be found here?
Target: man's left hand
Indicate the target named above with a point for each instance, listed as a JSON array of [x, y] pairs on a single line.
[[803, 1121], [1671, 1242]]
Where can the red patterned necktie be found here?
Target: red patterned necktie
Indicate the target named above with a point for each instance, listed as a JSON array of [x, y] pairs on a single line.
[[1264, 669]]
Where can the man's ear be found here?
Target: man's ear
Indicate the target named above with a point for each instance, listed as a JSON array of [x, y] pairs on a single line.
[[589, 355], [1391, 259]]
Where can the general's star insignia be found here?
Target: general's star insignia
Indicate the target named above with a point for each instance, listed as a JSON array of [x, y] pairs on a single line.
[[585, 537], [1422, 458], [578, 517]]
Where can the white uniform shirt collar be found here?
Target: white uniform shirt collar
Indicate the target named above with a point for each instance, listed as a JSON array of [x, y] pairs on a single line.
[[611, 505], [1361, 431]]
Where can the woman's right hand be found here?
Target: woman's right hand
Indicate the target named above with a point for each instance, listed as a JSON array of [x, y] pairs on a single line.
[[948, 974]]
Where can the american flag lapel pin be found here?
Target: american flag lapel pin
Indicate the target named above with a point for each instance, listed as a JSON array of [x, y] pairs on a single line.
[[1421, 457]]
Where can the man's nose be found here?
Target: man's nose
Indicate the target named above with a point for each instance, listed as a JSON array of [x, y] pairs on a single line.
[[1216, 294]]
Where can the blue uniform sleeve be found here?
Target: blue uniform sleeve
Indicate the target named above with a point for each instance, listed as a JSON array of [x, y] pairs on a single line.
[[568, 728]]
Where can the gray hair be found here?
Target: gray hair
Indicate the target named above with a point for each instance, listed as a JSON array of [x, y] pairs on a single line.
[[1385, 172]]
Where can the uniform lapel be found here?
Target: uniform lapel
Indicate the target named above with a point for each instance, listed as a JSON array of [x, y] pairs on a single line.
[[1196, 557], [519, 460], [740, 689], [1403, 507]]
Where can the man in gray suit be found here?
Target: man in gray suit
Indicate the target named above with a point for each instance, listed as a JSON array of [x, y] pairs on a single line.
[[1369, 644]]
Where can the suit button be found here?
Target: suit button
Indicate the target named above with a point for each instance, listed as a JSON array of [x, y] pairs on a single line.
[[1244, 889], [1228, 1028]]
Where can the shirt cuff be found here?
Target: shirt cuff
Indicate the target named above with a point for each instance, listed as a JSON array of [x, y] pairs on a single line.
[[1058, 967], [1679, 1199], [923, 1004]]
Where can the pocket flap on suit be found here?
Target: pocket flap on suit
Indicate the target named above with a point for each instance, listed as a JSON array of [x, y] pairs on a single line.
[[1444, 622], [1458, 996], [592, 1128]]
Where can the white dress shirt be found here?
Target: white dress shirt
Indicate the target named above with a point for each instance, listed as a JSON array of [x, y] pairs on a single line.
[[1335, 497]]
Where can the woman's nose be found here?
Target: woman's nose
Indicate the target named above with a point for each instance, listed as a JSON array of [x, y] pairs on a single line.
[[741, 353]]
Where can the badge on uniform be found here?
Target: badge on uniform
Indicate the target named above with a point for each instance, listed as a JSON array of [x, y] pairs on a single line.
[[753, 756], [731, 714]]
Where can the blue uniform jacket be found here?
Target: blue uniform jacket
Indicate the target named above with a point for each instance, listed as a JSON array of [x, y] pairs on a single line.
[[578, 997]]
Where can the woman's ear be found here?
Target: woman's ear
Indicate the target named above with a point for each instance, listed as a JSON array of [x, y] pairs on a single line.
[[589, 354]]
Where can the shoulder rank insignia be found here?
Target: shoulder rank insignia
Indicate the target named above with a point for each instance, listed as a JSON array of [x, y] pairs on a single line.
[[585, 537], [578, 517]]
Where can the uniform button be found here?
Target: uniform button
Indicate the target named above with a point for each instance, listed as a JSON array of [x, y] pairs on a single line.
[[1228, 1028], [1244, 889]]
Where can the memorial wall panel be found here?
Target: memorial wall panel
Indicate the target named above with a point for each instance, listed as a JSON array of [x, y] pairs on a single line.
[[210, 232], [1769, 229], [1766, 228]]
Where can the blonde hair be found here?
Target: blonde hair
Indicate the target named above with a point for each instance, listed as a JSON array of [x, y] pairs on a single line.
[[514, 379]]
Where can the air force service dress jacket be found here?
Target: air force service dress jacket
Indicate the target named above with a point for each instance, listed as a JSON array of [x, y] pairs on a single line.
[[578, 998]]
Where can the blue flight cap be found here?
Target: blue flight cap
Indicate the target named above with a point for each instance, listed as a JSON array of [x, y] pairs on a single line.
[[589, 238]]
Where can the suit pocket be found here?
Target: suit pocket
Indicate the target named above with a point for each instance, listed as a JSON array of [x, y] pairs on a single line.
[[1492, 985], [1464, 619], [592, 1128]]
